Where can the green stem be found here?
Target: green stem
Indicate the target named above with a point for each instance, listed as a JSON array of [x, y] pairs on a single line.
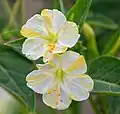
[[14, 12], [7, 9], [56, 4], [89, 34], [115, 48], [22, 12], [103, 105], [94, 106], [62, 6]]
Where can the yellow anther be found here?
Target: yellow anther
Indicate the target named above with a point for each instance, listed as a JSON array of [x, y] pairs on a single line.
[[50, 92], [51, 47]]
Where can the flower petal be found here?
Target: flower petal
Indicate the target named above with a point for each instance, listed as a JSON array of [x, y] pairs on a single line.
[[33, 48], [73, 62], [56, 60], [57, 18], [57, 98], [47, 15], [47, 55], [46, 66], [83, 80], [68, 35], [77, 93], [59, 48], [34, 27], [39, 80]]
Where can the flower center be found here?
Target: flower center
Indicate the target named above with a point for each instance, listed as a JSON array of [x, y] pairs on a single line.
[[52, 37], [59, 75]]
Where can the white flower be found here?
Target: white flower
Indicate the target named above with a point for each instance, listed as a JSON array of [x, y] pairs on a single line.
[[47, 34], [61, 80]]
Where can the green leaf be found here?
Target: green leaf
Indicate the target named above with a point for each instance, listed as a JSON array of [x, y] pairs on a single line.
[[106, 7], [113, 104], [79, 11], [9, 33], [13, 71], [106, 74], [16, 45], [113, 40], [9, 104], [101, 21]]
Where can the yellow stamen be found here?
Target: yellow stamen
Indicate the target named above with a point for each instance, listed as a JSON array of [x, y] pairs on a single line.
[[58, 96], [50, 92], [51, 47]]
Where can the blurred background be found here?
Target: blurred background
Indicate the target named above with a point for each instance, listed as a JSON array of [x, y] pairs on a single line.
[[104, 17]]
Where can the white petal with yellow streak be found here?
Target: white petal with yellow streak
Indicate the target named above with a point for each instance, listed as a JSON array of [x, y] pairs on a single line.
[[83, 80], [73, 62], [33, 48], [39, 80], [77, 93], [34, 27], [78, 66], [57, 19], [68, 35]]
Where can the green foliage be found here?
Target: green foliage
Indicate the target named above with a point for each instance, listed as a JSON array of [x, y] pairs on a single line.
[[16, 45], [2, 23], [9, 33], [101, 21], [9, 104], [106, 73], [112, 41], [113, 104], [89, 35], [13, 71], [59, 5], [109, 8], [79, 11]]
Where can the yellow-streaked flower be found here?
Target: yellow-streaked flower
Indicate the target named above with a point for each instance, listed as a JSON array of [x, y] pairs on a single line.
[[61, 80], [47, 34]]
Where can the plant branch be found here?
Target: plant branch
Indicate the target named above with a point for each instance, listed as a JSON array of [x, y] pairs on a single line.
[[115, 48], [94, 106], [7, 9], [14, 12], [22, 12], [62, 6], [88, 32], [102, 104]]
